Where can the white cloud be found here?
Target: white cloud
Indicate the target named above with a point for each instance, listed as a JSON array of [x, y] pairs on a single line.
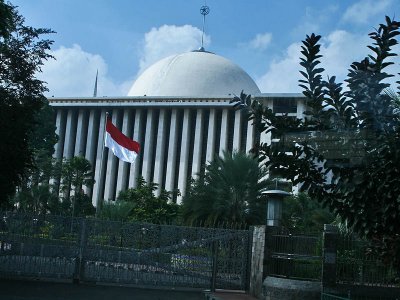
[[313, 20], [361, 11], [72, 74], [169, 40], [261, 41], [339, 50], [282, 75]]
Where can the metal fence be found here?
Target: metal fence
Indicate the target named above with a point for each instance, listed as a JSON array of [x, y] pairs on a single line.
[[293, 256], [42, 246], [356, 265], [342, 263], [325, 296], [361, 271], [350, 267]]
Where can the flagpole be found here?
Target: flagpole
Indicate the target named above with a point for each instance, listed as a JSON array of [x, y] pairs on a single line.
[[100, 201]]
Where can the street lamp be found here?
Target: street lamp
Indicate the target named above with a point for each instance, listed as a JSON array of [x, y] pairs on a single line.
[[274, 206]]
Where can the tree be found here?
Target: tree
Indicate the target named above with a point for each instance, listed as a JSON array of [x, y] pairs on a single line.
[[229, 191], [116, 211], [346, 151], [301, 213], [42, 141], [145, 206], [38, 200], [22, 53], [76, 173]]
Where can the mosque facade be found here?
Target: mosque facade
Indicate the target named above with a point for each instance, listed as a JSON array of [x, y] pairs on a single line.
[[179, 111]]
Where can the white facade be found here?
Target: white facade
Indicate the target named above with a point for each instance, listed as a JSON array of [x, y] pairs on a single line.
[[178, 133], [178, 136]]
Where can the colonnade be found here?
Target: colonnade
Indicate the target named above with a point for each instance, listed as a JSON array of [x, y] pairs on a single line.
[[177, 139]]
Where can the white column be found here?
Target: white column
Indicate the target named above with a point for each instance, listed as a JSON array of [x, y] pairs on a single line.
[[97, 187], [198, 143], [92, 126], [160, 153], [173, 139], [112, 164], [237, 130], [60, 131], [184, 157], [266, 137], [81, 133], [123, 167], [223, 146], [137, 136], [58, 148], [70, 129], [300, 109], [250, 135], [148, 146], [212, 127]]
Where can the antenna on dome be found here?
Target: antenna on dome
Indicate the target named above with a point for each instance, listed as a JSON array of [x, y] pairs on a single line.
[[204, 10], [95, 85]]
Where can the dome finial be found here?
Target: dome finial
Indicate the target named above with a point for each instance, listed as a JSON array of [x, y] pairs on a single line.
[[204, 10], [95, 84]]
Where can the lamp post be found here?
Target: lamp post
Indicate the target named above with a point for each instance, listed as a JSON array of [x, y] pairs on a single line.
[[274, 206]]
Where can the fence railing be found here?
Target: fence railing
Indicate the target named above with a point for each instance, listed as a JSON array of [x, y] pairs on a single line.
[[292, 256], [325, 296], [342, 263], [357, 265], [348, 267], [43, 246]]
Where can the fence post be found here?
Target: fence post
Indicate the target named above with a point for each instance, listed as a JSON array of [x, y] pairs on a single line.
[[214, 265], [257, 260], [330, 240], [80, 261]]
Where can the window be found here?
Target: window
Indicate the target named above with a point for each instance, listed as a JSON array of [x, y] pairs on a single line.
[[285, 105]]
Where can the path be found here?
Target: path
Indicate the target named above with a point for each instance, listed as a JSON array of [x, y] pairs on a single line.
[[37, 290]]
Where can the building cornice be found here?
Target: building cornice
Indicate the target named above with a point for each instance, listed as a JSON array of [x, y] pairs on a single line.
[[158, 101]]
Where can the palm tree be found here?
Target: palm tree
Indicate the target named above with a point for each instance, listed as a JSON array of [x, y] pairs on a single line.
[[76, 173], [229, 191], [37, 199]]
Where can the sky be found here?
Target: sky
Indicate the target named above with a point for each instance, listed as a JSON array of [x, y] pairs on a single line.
[[121, 38]]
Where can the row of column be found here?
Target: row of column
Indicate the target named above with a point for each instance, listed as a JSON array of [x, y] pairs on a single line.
[[175, 143]]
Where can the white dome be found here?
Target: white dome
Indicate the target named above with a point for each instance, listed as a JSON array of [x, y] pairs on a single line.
[[193, 74]]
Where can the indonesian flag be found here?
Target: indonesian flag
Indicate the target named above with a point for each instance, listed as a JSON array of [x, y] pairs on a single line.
[[122, 146]]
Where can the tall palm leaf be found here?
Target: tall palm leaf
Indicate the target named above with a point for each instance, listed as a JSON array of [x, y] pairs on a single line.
[[230, 191]]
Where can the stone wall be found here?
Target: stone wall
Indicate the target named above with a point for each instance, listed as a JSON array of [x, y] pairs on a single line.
[[275, 288], [257, 260]]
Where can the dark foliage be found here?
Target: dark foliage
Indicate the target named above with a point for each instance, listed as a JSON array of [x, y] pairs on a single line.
[[346, 152], [228, 192], [22, 53], [302, 214], [142, 204]]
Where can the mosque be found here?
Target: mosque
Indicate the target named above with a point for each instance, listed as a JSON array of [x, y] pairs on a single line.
[[179, 111]]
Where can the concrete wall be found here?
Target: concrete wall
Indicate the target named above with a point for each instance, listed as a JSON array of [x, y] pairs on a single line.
[[257, 260], [288, 289], [178, 136]]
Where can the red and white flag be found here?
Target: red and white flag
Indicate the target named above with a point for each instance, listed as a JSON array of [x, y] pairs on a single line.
[[122, 146]]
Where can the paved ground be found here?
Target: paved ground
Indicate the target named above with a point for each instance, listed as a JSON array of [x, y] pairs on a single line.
[[36, 290], [231, 296]]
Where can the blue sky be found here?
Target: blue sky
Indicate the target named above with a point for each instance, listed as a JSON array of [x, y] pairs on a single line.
[[121, 38]]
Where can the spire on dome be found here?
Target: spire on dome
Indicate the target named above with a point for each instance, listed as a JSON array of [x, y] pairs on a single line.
[[204, 10], [95, 84]]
